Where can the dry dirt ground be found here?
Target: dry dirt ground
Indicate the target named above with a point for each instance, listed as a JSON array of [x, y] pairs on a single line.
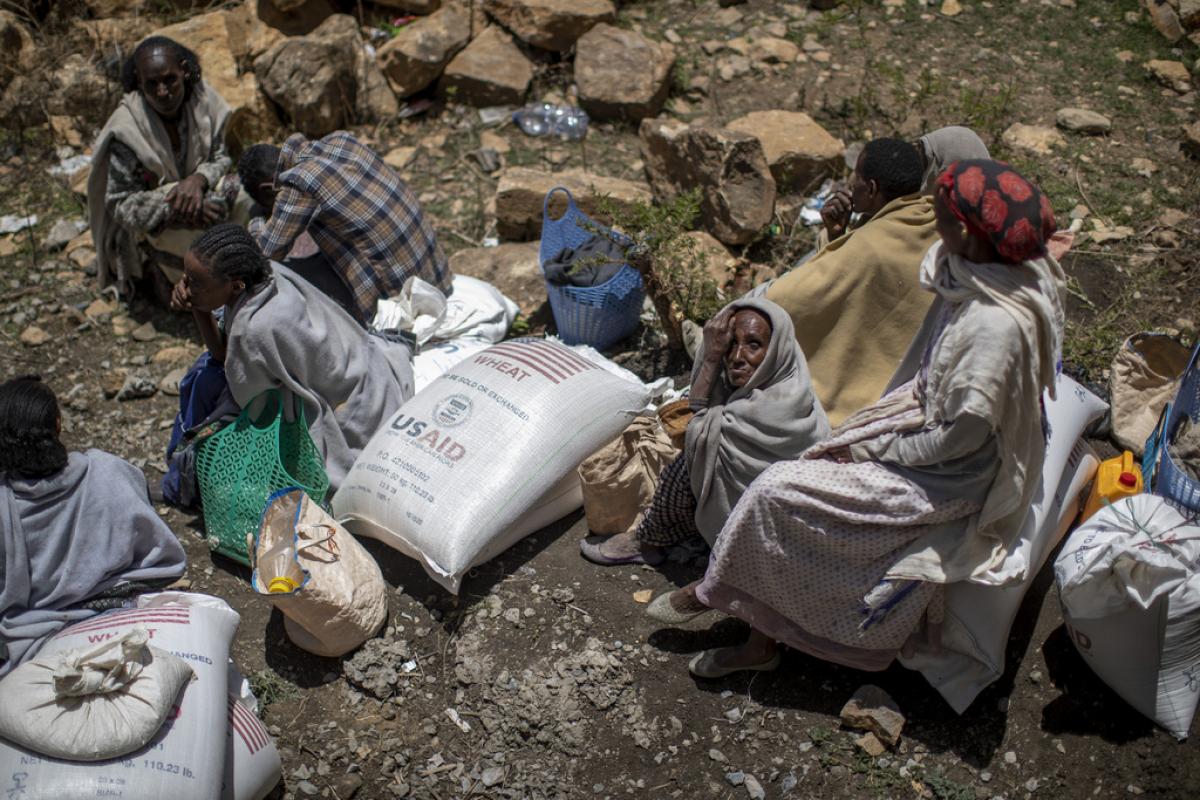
[[561, 685]]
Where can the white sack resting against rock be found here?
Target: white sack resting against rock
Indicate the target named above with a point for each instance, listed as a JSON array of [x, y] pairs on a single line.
[[94, 702], [252, 766], [186, 758], [978, 617], [485, 455], [1130, 592]]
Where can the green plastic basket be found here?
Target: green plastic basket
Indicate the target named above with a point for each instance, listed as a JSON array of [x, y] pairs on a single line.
[[240, 466]]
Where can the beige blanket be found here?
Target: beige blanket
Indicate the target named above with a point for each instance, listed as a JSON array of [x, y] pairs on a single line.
[[139, 128], [857, 304]]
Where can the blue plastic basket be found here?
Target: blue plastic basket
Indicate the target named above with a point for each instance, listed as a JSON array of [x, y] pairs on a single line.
[[1161, 473], [599, 316]]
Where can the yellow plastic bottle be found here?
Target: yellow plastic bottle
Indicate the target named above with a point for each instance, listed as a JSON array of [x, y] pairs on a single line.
[[1120, 476]]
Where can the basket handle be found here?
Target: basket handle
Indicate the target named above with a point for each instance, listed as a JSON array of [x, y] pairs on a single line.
[[546, 204]]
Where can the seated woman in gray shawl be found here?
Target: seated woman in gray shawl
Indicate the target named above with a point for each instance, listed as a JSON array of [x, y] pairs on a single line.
[[754, 405], [77, 532], [843, 552], [156, 167], [281, 332]]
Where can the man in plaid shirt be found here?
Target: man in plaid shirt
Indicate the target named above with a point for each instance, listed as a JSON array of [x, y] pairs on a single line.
[[362, 216]]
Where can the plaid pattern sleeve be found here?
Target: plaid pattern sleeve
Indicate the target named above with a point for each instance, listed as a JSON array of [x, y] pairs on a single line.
[[290, 217]]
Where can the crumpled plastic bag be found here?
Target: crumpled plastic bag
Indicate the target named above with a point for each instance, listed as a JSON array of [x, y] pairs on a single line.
[[92, 704]]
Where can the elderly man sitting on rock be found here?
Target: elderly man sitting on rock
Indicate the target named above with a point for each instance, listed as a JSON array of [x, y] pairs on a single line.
[[364, 219], [858, 302]]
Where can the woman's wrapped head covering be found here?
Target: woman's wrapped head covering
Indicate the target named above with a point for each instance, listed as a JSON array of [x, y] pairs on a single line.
[[996, 203]]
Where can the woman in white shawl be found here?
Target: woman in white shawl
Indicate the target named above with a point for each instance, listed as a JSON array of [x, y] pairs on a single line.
[[281, 332], [843, 552], [77, 532], [156, 166], [754, 405]]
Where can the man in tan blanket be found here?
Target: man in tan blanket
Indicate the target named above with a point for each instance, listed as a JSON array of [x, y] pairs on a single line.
[[858, 302]]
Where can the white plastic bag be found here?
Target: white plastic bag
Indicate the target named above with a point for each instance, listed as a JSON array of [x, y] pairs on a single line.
[[452, 476], [474, 309], [342, 600], [186, 759], [1129, 584], [978, 617], [91, 703]]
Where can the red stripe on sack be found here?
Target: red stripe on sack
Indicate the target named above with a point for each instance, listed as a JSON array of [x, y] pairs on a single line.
[[548, 356], [256, 728], [569, 355], [108, 624], [530, 354], [521, 358], [239, 726]]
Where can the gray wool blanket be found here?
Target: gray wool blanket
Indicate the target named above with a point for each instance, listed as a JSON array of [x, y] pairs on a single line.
[[68, 538], [289, 335]]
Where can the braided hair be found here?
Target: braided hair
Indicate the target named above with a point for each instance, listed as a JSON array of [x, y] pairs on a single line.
[[29, 419], [231, 252], [189, 62]]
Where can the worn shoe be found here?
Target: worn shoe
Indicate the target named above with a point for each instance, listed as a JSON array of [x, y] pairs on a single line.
[[705, 665], [662, 611], [591, 549]]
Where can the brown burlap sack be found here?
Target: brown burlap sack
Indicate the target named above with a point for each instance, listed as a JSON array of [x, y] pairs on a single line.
[[619, 479], [1142, 380]]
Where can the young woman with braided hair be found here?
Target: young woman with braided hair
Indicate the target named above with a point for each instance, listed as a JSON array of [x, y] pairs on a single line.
[[281, 332], [77, 531]]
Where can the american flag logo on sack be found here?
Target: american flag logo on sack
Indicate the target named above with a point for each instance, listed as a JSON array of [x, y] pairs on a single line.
[[247, 727], [550, 360]]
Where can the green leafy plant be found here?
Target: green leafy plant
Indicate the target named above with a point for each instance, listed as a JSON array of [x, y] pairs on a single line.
[[269, 687], [674, 267]]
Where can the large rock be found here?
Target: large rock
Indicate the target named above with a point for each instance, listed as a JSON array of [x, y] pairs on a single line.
[[1033, 138], [218, 38], [1191, 139], [290, 17], [512, 268], [800, 152], [1172, 74], [520, 193], [312, 78], [374, 100], [728, 167], [80, 90], [490, 71], [1082, 120], [104, 9], [720, 263], [16, 47], [622, 74], [412, 6], [1189, 14], [416, 56], [551, 24]]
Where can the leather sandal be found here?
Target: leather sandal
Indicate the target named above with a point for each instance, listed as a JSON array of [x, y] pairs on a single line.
[[704, 664]]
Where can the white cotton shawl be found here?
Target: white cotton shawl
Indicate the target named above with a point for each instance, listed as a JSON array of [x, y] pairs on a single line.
[[999, 351], [138, 127], [774, 417]]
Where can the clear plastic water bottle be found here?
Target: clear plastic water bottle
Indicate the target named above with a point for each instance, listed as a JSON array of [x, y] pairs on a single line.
[[541, 119], [278, 568]]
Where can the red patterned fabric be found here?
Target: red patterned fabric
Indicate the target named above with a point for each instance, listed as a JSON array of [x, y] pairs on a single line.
[[996, 203]]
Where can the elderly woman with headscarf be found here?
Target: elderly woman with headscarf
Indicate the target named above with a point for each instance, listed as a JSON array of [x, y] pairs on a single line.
[[754, 405], [156, 167], [842, 553]]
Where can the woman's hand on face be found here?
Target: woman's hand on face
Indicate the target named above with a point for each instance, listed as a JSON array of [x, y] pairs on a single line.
[[718, 335], [181, 297], [835, 214], [186, 199]]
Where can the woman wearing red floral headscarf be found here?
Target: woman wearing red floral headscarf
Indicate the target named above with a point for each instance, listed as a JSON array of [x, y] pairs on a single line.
[[843, 553]]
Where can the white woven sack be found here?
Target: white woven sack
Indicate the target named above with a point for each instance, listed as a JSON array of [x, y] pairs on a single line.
[[435, 360], [1130, 592], [252, 766], [342, 600], [979, 617], [449, 479], [186, 758], [91, 703]]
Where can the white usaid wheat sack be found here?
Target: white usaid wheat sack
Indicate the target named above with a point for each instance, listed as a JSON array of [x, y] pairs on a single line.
[[1129, 583], [252, 767], [457, 474], [186, 759]]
